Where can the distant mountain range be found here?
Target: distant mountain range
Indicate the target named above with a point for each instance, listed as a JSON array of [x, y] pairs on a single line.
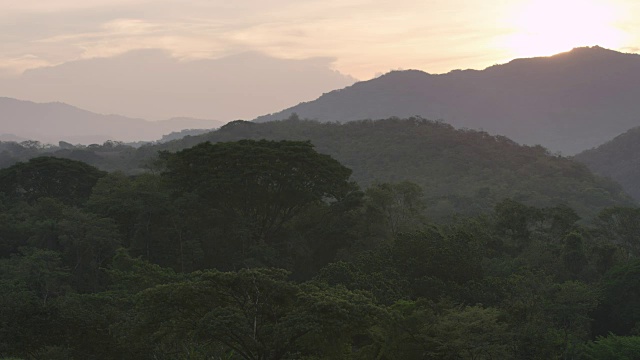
[[569, 102], [53, 122], [618, 159]]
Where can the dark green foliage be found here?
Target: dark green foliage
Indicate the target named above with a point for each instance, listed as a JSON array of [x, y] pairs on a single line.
[[256, 314], [617, 159], [30, 285], [614, 347], [66, 180], [262, 184], [265, 250], [423, 330], [255, 203], [398, 207], [573, 253], [619, 311], [621, 226], [461, 171]]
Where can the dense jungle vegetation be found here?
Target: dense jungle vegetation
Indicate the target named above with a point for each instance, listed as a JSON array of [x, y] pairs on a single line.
[[617, 159], [260, 249]]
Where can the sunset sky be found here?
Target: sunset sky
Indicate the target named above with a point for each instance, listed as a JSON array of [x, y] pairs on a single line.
[[359, 38]]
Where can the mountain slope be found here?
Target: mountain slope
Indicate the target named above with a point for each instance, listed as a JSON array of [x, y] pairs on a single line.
[[618, 159], [461, 171], [568, 102], [52, 122], [464, 171]]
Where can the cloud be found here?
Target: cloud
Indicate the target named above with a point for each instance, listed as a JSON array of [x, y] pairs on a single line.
[[364, 36], [155, 85]]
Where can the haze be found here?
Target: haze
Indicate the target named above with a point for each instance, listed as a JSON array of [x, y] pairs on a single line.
[[229, 60]]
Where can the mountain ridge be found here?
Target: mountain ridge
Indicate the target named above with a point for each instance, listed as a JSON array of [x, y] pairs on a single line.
[[560, 102], [463, 171], [617, 159], [57, 121]]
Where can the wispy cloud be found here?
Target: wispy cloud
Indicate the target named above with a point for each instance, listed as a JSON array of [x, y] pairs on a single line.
[[365, 36]]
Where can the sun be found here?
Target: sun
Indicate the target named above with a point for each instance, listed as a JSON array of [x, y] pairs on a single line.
[[547, 27]]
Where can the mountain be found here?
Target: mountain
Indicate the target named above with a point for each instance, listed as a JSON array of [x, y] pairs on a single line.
[[568, 102], [463, 171], [152, 84], [618, 159], [53, 122]]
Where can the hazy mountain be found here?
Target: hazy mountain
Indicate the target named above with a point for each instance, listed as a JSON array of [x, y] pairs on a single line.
[[618, 159], [52, 122], [152, 84], [176, 135], [568, 102]]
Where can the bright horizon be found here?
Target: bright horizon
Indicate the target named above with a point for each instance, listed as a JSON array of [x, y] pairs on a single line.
[[364, 37], [359, 39]]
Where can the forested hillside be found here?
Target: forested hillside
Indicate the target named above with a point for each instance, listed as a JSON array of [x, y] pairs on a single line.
[[568, 102], [460, 171], [261, 249], [618, 159]]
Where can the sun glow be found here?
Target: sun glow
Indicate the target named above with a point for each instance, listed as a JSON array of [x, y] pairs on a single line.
[[547, 27]]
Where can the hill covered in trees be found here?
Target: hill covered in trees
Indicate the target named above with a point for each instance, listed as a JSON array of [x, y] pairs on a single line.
[[460, 171], [618, 159], [569, 102], [258, 249], [463, 171]]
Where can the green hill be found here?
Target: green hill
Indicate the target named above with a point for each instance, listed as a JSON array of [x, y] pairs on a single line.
[[618, 159], [460, 171], [463, 171]]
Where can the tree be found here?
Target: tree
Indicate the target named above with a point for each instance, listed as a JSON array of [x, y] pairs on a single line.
[[619, 311], [514, 221], [399, 206], [254, 314], [424, 330], [433, 260], [88, 243], [573, 254], [151, 223], [569, 305], [472, 333], [621, 226], [257, 185], [62, 179], [614, 347], [30, 284]]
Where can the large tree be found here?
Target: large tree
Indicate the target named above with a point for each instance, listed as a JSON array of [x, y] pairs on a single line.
[[257, 185], [254, 314], [66, 180]]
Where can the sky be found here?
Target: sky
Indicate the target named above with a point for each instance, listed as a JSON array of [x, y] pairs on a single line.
[[356, 39]]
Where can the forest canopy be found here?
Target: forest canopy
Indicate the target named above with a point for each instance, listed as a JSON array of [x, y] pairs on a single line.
[[261, 249]]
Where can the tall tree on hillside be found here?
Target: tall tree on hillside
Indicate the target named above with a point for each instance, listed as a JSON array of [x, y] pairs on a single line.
[[66, 180], [257, 185]]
